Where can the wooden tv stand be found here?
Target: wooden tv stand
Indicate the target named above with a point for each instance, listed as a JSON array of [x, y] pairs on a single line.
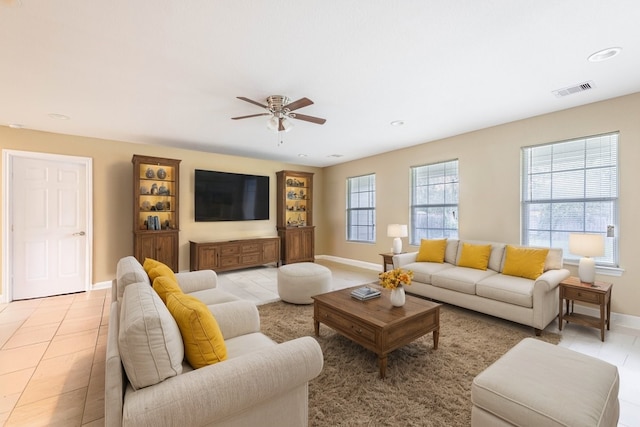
[[234, 254]]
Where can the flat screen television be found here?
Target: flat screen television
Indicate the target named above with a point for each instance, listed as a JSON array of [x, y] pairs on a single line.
[[225, 196]]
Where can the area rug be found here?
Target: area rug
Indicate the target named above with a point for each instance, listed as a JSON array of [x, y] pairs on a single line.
[[423, 387]]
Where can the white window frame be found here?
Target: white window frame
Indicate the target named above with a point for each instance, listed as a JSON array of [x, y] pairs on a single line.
[[578, 178], [434, 201], [361, 203]]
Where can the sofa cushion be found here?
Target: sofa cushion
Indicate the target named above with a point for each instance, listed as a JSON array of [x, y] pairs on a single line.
[[149, 339], [128, 271], [432, 250], [524, 262], [451, 253], [203, 342], [422, 271], [509, 289], [474, 256], [461, 279], [554, 259], [165, 285]]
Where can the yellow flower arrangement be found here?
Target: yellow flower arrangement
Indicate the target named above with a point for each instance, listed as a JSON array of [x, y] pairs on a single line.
[[394, 278]]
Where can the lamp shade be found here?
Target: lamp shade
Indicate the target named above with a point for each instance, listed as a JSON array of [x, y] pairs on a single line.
[[397, 230], [591, 245]]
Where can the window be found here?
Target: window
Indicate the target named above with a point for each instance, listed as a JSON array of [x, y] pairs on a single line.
[[434, 201], [361, 208], [571, 187]]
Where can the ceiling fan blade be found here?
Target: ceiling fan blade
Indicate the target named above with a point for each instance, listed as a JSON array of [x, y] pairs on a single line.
[[251, 101], [311, 119], [280, 125], [252, 115], [302, 102]]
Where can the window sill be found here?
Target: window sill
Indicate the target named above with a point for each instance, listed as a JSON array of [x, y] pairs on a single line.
[[605, 271]]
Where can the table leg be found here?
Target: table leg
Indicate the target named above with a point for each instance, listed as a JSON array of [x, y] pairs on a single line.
[[316, 327], [609, 314], [436, 337], [382, 362], [560, 311], [602, 321]]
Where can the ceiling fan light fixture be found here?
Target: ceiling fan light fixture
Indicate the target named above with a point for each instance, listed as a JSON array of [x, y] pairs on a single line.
[[272, 124], [287, 125]]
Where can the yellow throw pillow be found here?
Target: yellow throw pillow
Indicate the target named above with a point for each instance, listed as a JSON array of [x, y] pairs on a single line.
[[203, 341], [432, 250], [524, 262], [161, 270], [475, 256], [165, 285], [150, 263]]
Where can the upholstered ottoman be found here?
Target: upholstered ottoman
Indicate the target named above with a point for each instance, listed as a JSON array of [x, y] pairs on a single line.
[[540, 384], [298, 282]]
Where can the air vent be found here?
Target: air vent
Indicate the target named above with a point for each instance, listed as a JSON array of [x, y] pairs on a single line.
[[335, 155], [574, 89]]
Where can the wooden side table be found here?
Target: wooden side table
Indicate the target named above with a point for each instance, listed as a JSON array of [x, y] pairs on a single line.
[[598, 293], [387, 259]]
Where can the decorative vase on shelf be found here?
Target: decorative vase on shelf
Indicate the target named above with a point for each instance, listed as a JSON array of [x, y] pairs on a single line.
[[397, 296]]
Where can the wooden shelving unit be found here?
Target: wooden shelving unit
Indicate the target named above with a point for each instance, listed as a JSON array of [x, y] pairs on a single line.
[[156, 190], [295, 216]]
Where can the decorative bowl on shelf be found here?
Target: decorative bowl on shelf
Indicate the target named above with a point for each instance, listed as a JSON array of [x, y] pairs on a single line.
[[162, 174], [150, 173]]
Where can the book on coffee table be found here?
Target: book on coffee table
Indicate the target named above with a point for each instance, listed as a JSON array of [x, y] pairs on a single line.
[[365, 293]]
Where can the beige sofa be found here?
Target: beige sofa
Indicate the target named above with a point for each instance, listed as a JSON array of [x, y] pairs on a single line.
[[529, 302], [261, 382]]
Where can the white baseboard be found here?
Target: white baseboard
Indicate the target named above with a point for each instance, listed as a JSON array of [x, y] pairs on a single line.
[[353, 262], [617, 319], [101, 285]]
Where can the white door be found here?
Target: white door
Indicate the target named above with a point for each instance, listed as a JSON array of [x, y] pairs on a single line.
[[49, 243]]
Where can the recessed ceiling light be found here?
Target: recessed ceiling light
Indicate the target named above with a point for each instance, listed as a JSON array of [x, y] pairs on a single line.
[[302, 155], [397, 123], [604, 54], [16, 126], [57, 116], [335, 155]]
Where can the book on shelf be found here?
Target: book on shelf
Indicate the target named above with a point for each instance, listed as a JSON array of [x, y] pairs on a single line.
[[365, 293]]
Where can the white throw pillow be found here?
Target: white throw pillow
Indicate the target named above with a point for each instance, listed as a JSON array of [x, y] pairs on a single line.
[[149, 340]]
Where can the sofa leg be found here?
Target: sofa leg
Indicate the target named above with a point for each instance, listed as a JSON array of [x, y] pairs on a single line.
[[538, 331]]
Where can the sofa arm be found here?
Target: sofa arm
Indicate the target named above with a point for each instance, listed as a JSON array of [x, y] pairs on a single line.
[[191, 281], [236, 318], [404, 259], [205, 395], [550, 279]]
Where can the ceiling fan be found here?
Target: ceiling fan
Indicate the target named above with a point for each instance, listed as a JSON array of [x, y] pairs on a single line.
[[280, 109]]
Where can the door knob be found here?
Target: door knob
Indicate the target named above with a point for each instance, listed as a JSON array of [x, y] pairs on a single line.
[[81, 233]]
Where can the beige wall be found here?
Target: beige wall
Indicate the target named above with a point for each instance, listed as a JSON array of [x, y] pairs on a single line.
[[113, 201], [489, 187], [489, 168]]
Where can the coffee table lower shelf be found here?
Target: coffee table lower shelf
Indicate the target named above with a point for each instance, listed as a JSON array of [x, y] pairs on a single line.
[[375, 324]]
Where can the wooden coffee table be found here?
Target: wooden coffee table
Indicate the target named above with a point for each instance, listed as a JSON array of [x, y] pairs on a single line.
[[376, 324]]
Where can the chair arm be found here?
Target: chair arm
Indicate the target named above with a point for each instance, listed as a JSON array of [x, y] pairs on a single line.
[[404, 259], [202, 396], [191, 281], [550, 279], [236, 318]]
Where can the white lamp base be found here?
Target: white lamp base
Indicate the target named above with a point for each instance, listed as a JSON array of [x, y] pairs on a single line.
[[397, 245], [587, 270]]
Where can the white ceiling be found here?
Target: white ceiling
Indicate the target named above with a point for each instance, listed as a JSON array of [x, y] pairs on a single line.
[[168, 72]]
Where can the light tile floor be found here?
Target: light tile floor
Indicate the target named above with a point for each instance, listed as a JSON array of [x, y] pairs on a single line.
[[52, 350]]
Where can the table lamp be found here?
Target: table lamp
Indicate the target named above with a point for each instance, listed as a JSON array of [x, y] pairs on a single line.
[[397, 231], [587, 246]]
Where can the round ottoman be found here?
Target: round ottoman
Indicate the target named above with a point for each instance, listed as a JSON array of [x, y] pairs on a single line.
[[298, 282]]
